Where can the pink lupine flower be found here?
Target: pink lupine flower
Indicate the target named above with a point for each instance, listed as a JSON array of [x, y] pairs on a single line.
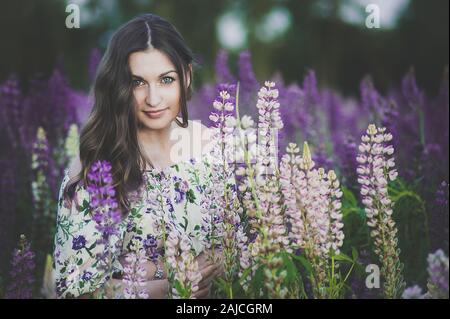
[[312, 200], [375, 171], [184, 275], [134, 277]]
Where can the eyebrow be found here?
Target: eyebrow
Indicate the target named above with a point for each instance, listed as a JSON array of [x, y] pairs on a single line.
[[161, 75]]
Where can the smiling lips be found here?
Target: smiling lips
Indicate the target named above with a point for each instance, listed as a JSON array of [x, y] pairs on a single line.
[[155, 114]]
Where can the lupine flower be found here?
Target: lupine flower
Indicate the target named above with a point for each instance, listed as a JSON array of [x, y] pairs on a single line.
[[437, 279], [42, 164], [411, 91], [414, 292], [71, 145], [438, 275], [439, 219], [271, 225], [247, 79], [371, 100], [105, 209], [159, 201], [184, 274], [375, 171], [223, 74], [226, 206], [9, 193], [134, 273], [12, 111], [261, 194], [313, 210], [22, 272]]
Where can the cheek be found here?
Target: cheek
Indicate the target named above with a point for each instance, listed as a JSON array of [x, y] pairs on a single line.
[[139, 96], [172, 97]]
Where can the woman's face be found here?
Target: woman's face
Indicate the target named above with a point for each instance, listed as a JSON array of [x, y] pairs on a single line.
[[156, 88]]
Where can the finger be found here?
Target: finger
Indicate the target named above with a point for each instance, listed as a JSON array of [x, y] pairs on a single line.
[[202, 293], [206, 272]]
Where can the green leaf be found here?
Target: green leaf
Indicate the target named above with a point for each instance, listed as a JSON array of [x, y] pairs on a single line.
[[343, 257], [305, 262], [179, 287], [290, 267], [354, 254]]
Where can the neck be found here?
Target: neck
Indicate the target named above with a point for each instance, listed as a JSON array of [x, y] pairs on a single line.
[[156, 144], [155, 139]]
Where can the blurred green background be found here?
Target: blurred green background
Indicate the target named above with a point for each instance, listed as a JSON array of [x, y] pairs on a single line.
[[290, 36]]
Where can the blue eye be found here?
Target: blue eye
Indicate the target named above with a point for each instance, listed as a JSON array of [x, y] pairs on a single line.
[[168, 80], [137, 83]]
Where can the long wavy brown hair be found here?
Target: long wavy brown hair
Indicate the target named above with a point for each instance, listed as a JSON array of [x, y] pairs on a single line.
[[110, 132]]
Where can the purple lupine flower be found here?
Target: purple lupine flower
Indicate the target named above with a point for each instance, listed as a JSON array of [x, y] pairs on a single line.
[[413, 95], [248, 82], [371, 100], [414, 292], [310, 89], [22, 272], [104, 207], [12, 111], [9, 193], [223, 74], [347, 158], [438, 275]]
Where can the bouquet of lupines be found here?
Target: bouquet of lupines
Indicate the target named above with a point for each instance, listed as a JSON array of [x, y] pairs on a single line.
[[375, 171], [279, 204]]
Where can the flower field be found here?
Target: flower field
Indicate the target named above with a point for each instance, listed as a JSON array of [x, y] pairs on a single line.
[[330, 196]]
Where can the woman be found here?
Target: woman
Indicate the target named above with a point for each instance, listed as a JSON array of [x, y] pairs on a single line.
[[142, 84]]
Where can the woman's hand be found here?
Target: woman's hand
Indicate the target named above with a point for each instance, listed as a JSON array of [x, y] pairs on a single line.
[[149, 266], [209, 271]]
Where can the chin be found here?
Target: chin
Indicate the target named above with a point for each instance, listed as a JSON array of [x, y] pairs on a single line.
[[156, 124]]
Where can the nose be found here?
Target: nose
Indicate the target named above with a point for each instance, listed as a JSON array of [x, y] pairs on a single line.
[[153, 97]]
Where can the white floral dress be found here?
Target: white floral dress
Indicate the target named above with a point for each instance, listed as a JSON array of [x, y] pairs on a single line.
[[75, 263]]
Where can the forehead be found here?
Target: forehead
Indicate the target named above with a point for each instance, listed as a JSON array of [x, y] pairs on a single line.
[[149, 63]]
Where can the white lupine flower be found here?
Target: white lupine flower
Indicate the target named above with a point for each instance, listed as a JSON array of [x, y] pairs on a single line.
[[224, 95], [72, 142], [247, 122], [376, 167], [230, 122], [184, 269], [218, 105], [134, 277]]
